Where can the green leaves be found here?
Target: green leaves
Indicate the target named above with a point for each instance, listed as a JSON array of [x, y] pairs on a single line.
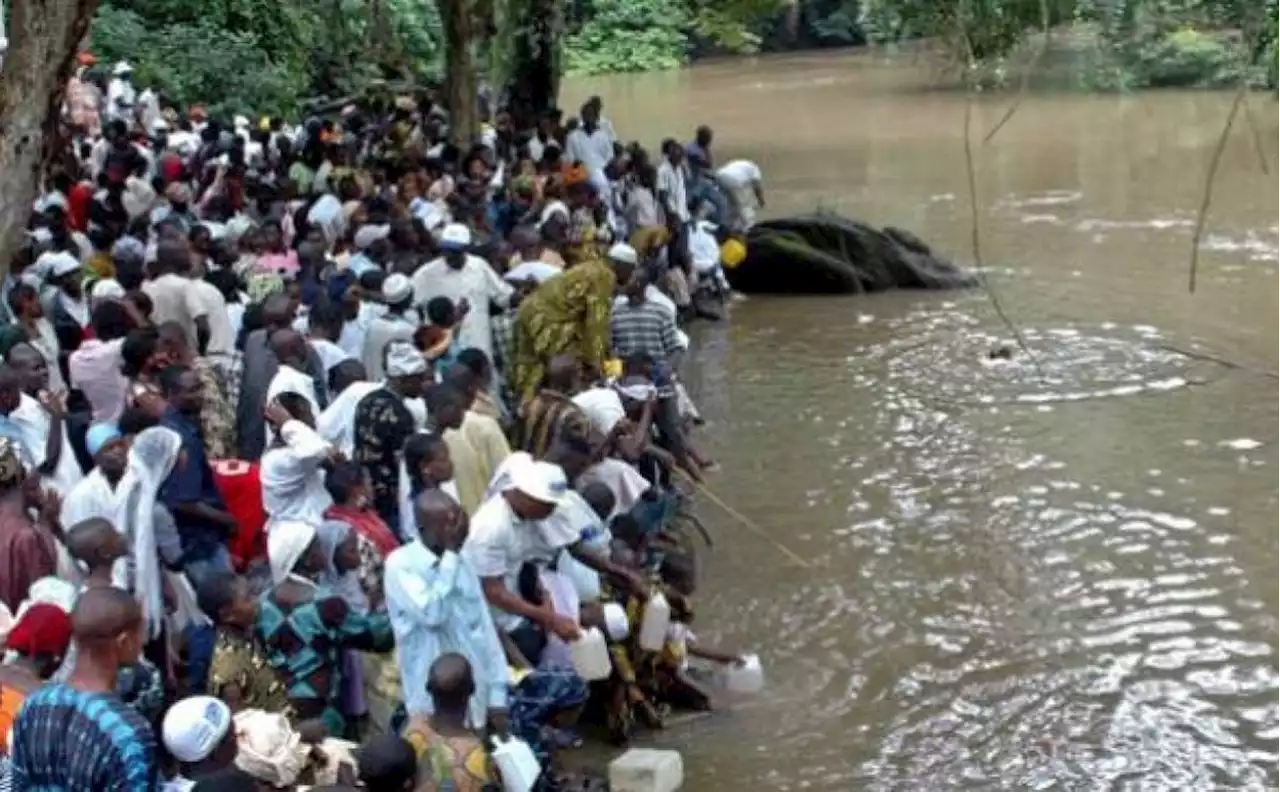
[[258, 56]]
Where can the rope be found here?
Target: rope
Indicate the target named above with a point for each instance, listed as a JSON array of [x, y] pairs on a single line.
[[746, 522]]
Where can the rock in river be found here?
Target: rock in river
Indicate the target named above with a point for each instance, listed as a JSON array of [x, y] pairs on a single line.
[[829, 254]]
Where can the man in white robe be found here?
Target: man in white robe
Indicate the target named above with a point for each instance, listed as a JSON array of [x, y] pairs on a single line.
[[41, 421], [292, 469]]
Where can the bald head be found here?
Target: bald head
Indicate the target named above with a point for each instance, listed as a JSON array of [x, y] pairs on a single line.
[[435, 512], [173, 254], [600, 498], [103, 613], [94, 542], [460, 377], [562, 373], [31, 367], [277, 312], [289, 347], [346, 373], [450, 683]]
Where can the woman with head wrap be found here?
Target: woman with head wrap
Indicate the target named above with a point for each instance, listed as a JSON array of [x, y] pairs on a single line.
[[34, 648], [306, 624], [153, 540], [146, 523], [269, 749]]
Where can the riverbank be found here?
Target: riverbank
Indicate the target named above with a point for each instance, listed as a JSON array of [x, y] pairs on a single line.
[[1008, 594]]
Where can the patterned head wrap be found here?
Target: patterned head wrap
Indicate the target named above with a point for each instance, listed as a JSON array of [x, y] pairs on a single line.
[[11, 470]]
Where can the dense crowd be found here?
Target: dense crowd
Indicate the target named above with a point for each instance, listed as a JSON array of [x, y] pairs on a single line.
[[344, 435]]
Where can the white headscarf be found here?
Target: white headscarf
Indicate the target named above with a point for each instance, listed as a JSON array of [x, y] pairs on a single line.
[[286, 544], [269, 749], [151, 460], [332, 533]]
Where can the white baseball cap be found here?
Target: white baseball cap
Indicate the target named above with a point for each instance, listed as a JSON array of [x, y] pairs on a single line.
[[194, 727], [542, 481]]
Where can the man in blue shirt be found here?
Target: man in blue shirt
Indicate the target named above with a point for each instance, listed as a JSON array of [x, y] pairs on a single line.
[[79, 735], [189, 492]]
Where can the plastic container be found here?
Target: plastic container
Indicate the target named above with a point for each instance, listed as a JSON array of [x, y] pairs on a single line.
[[654, 623], [746, 678], [590, 656], [516, 764], [615, 621]]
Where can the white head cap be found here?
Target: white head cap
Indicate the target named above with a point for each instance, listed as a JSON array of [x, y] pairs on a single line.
[[396, 288], [455, 236], [194, 727], [624, 254]]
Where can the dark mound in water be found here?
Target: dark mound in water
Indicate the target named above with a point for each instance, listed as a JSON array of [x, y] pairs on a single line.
[[828, 254]]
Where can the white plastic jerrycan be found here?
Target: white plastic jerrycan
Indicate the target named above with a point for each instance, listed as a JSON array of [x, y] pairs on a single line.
[[590, 656], [654, 623], [745, 678], [516, 764]]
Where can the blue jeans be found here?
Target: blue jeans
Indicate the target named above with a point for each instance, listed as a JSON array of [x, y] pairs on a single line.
[[704, 188], [200, 640]]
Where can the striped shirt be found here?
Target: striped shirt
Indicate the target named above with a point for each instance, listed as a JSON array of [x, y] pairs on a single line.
[[645, 328], [66, 739]]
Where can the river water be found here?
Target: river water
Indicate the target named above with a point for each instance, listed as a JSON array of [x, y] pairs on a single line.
[[1048, 575]]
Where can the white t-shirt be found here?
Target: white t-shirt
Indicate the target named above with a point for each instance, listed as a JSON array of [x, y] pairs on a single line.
[[703, 248], [330, 353], [739, 173], [594, 150], [35, 423], [500, 543], [222, 336], [671, 182], [173, 300]]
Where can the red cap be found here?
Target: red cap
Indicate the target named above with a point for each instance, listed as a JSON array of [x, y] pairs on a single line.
[[44, 629]]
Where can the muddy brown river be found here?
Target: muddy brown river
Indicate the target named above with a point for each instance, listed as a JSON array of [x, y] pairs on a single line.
[[1048, 575]]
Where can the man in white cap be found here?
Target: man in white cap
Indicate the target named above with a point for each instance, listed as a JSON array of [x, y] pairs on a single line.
[[510, 529], [121, 95], [199, 733], [369, 253], [398, 324], [383, 422], [466, 280]]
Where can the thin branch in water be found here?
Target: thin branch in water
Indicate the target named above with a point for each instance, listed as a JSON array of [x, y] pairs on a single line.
[[976, 240], [1031, 67], [1258, 145], [1207, 198]]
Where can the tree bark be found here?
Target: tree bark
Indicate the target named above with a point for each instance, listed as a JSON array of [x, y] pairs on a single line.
[[535, 72], [44, 36], [460, 71]]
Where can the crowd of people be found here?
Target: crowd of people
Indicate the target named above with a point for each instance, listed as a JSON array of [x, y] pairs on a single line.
[[343, 435]]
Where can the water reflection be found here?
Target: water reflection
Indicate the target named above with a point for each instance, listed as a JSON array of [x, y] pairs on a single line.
[[1048, 575]]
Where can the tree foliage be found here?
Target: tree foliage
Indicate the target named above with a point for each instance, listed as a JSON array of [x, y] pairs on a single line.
[[242, 55], [257, 56]]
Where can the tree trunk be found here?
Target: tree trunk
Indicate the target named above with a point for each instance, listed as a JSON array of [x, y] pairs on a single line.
[[45, 35], [460, 71], [535, 71]]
